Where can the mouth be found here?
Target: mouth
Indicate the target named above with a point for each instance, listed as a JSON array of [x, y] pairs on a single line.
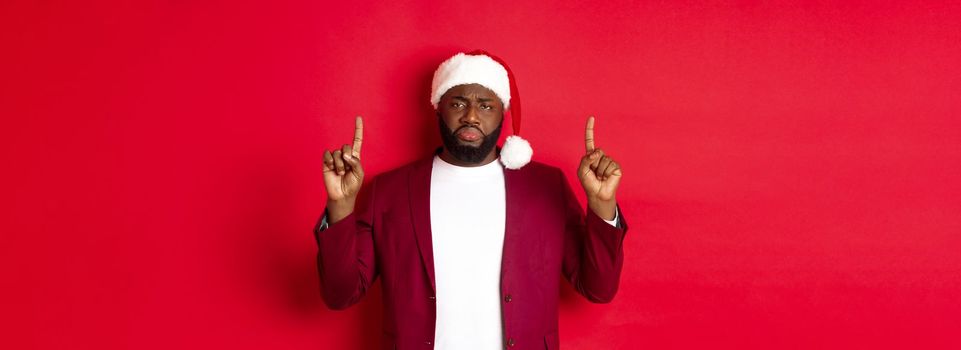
[[469, 134]]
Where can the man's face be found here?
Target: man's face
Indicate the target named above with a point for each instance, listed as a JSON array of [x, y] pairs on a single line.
[[470, 121]]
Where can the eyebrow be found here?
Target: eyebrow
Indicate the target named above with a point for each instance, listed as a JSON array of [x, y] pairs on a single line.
[[478, 100]]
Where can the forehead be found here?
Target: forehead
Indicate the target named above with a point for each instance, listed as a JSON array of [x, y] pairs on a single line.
[[471, 91]]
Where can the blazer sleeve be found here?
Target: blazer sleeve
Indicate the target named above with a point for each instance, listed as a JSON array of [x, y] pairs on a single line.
[[593, 249], [345, 257]]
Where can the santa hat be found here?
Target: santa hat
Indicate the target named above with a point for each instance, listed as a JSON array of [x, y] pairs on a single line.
[[480, 67]]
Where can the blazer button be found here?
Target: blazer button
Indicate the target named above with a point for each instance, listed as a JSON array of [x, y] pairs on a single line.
[[428, 342], [510, 342], [432, 298], [507, 298]]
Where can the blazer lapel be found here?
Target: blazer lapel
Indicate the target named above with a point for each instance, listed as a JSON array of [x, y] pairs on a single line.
[[419, 190], [514, 206]]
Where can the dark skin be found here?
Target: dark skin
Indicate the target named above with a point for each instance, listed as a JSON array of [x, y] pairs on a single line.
[[481, 111], [474, 106]]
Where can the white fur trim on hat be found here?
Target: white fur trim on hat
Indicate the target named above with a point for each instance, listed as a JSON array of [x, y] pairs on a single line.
[[471, 69], [516, 152]]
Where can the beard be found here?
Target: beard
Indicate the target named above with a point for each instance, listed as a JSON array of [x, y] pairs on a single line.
[[468, 153]]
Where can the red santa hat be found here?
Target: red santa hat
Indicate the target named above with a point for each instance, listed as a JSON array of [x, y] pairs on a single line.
[[480, 67]]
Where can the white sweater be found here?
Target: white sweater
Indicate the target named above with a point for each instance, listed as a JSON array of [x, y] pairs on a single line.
[[467, 211]]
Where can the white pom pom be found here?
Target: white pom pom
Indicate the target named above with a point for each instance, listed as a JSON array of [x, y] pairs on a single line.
[[516, 153]]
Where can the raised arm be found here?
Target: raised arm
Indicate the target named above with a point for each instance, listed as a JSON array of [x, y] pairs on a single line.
[[593, 249], [345, 258]]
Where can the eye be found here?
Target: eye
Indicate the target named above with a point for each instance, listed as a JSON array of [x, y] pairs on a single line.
[[456, 104], [487, 107]]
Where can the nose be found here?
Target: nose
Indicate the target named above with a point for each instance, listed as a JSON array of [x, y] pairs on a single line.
[[470, 117]]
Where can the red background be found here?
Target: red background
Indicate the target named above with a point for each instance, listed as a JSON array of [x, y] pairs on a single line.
[[792, 171]]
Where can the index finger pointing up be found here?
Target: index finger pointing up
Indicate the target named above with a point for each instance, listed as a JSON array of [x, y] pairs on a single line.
[[358, 135], [589, 134]]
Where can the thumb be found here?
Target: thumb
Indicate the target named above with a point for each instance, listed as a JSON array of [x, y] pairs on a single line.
[[617, 172], [354, 163], [586, 161]]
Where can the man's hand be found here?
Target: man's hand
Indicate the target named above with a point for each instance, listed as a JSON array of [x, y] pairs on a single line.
[[599, 175], [343, 176]]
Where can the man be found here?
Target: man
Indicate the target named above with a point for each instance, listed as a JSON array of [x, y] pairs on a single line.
[[470, 242]]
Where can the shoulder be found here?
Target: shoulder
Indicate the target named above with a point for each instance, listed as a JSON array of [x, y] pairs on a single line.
[[400, 175], [535, 168], [539, 174]]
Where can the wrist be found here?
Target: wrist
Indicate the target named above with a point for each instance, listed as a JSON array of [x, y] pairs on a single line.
[[339, 209], [605, 209]]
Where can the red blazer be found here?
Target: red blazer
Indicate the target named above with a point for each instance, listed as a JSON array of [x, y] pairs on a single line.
[[547, 235]]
